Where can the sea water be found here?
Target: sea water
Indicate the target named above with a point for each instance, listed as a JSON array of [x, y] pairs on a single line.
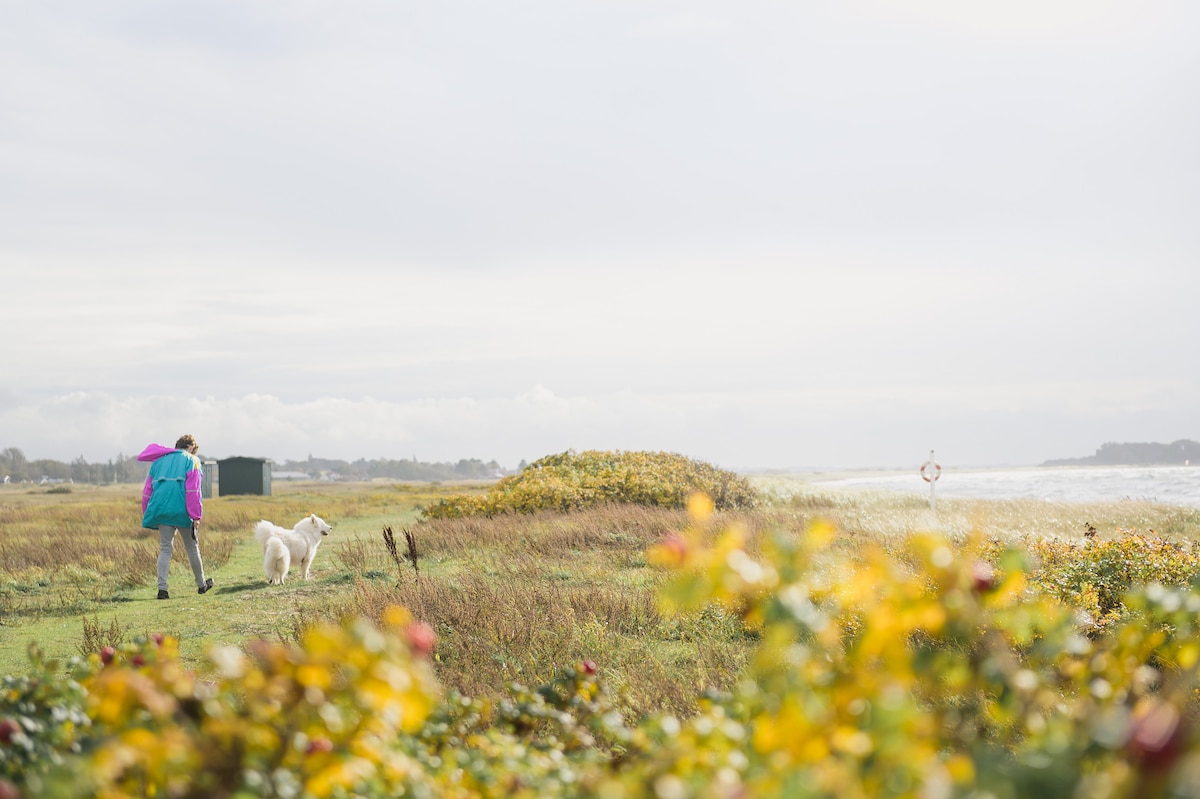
[[1172, 485]]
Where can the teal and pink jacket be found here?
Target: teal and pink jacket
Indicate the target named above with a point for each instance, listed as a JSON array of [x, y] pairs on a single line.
[[172, 491]]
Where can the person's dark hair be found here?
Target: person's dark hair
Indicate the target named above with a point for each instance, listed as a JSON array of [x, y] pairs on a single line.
[[186, 442]]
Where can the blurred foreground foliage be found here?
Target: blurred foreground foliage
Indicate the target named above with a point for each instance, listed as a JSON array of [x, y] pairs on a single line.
[[571, 481], [932, 669]]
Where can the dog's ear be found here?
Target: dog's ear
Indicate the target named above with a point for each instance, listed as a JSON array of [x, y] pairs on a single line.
[[312, 517]]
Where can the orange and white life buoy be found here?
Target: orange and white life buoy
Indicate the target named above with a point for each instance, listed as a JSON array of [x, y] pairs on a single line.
[[937, 472]]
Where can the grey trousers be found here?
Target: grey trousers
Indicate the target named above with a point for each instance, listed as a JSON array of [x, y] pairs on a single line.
[[166, 545]]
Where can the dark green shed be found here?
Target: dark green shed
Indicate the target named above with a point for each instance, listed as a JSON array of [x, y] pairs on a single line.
[[241, 475]]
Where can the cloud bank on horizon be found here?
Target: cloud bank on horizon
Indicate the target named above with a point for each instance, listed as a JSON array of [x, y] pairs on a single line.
[[839, 234]]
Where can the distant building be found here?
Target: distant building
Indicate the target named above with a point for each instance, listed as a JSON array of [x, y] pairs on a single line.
[[241, 475]]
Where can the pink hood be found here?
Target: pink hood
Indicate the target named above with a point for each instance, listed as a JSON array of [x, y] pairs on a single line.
[[154, 452]]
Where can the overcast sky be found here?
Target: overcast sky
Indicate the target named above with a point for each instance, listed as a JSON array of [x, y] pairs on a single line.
[[762, 234]]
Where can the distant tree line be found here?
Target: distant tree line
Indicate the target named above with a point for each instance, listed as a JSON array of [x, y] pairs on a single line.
[[127, 469], [121, 469], [1113, 454], [363, 469]]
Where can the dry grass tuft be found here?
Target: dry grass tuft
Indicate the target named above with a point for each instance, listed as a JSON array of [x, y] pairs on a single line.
[[410, 550], [96, 637], [608, 527], [522, 625], [516, 598]]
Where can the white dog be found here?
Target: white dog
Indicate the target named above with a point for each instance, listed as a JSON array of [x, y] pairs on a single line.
[[283, 547]]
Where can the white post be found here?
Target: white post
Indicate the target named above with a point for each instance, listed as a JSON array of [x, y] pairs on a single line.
[[932, 483], [931, 472]]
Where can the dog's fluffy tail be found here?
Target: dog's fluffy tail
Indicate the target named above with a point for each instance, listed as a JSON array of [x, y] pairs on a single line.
[[276, 561], [263, 532]]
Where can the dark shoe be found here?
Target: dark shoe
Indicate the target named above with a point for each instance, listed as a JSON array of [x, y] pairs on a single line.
[[162, 594], [207, 585]]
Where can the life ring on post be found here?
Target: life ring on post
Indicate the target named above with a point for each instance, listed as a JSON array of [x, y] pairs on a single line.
[[937, 472]]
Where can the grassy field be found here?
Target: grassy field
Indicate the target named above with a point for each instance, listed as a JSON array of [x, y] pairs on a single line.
[[511, 599], [81, 558]]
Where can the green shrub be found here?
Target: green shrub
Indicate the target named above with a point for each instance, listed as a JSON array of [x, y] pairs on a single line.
[[42, 721], [571, 481], [1094, 576]]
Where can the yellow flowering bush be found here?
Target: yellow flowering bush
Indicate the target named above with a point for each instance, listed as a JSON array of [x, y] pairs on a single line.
[[571, 481]]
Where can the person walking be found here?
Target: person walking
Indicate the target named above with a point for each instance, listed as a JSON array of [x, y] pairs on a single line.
[[171, 503]]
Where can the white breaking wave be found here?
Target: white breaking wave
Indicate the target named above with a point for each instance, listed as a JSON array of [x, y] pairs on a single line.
[[1172, 485]]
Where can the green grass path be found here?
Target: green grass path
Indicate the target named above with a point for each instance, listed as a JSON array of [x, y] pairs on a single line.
[[241, 605]]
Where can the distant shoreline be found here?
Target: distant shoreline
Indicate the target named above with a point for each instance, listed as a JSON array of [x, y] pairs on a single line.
[[827, 475], [1177, 453]]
